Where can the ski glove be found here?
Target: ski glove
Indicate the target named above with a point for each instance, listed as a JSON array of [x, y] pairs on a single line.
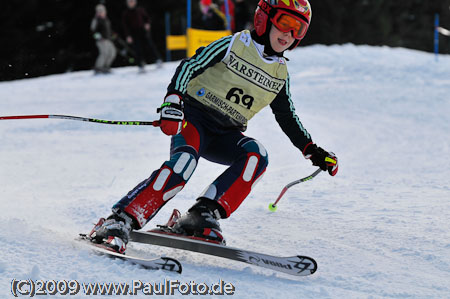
[[320, 157], [97, 36], [172, 116]]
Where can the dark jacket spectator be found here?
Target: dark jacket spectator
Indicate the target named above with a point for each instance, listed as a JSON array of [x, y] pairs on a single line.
[[136, 26], [134, 21]]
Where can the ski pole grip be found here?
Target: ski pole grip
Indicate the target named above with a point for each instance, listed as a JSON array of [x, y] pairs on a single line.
[[328, 159]]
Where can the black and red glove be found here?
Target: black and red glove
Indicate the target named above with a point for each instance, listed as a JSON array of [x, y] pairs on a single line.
[[320, 157], [172, 116]]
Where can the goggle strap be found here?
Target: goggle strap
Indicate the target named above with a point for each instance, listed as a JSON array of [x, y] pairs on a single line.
[[267, 8]]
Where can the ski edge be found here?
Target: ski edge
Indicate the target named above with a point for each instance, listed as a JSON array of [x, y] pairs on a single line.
[[294, 265]]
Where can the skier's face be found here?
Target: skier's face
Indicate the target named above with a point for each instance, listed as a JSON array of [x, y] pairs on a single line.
[[280, 41]]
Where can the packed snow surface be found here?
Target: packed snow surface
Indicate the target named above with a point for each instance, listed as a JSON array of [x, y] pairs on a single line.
[[380, 228]]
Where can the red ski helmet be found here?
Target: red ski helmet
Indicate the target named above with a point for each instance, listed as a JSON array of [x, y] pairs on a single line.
[[286, 15]]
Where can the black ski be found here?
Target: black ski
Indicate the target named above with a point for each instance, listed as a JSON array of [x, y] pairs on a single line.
[[294, 265], [162, 263]]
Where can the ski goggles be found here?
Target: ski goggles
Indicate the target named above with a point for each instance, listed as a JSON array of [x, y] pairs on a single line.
[[286, 22]]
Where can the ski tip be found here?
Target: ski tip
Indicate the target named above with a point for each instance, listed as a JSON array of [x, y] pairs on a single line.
[[308, 260], [172, 265]]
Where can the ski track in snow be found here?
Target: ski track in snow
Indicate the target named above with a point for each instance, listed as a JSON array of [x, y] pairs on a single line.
[[379, 229]]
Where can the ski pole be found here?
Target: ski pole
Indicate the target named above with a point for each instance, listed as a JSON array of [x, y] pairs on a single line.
[[92, 120], [273, 206]]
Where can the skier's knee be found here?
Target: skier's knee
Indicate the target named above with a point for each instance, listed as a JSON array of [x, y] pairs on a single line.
[[182, 164], [255, 149]]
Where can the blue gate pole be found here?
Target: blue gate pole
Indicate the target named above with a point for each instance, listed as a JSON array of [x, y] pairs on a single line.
[[188, 13], [227, 13], [436, 36], [167, 19]]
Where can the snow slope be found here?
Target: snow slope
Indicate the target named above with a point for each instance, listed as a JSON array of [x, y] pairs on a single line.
[[380, 228]]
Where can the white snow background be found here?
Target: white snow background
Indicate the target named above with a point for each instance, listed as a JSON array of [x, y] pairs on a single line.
[[380, 228]]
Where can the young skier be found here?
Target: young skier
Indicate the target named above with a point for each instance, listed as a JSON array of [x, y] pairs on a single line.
[[208, 103]]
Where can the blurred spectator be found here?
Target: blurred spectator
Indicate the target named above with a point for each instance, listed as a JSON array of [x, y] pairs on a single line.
[[136, 26], [242, 15], [212, 17], [230, 11], [101, 27]]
